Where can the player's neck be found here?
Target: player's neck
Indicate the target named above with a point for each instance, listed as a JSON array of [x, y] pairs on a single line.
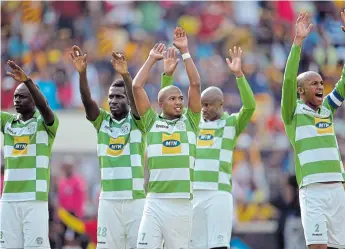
[[308, 103], [26, 116], [169, 117], [119, 117]]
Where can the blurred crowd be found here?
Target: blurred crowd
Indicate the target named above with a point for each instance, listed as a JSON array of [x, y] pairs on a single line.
[[39, 35]]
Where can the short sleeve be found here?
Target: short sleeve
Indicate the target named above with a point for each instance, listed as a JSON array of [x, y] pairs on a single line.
[[5, 116], [147, 120], [98, 121], [52, 129], [194, 119]]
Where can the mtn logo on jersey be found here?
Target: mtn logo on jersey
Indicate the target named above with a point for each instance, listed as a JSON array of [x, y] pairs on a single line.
[[206, 138], [171, 144], [324, 126], [20, 146], [116, 146]]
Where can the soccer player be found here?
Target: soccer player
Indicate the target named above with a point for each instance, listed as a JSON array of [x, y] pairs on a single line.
[[171, 150], [28, 139], [213, 202], [120, 150], [309, 125]]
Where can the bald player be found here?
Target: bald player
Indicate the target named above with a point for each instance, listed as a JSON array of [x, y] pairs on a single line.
[[171, 151], [212, 203], [309, 125]]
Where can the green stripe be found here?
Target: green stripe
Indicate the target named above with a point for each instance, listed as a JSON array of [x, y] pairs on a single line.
[[319, 142], [225, 167], [228, 144], [224, 187], [137, 172], [327, 167], [113, 162], [138, 194], [178, 186], [304, 119], [20, 186], [156, 137], [42, 196], [206, 176], [42, 174], [117, 185], [42, 150], [208, 153], [174, 162], [28, 162]]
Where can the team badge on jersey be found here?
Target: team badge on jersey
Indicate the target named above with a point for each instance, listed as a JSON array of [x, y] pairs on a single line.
[[171, 144], [180, 125], [125, 128], [31, 128], [116, 146], [206, 138], [20, 146], [324, 126]]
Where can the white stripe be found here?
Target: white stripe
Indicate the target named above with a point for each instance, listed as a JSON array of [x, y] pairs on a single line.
[[135, 136], [224, 178], [20, 174], [42, 137], [41, 186], [30, 152], [304, 109], [42, 162], [26, 196], [165, 127], [335, 99], [308, 131], [206, 165], [322, 177], [176, 174], [191, 137], [317, 155], [116, 173], [113, 132], [111, 195], [212, 124], [138, 183], [24, 131], [168, 195], [155, 150], [205, 185], [225, 156], [229, 132], [191, 162], [102, 150], [136, 160]]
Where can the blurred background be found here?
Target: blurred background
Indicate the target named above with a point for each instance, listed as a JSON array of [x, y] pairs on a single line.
[[39, 35]]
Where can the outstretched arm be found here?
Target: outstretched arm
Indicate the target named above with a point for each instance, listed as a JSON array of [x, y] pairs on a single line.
[[289, 92], [120, 65], [170, 64], [246, 92], [40, 101], [181, 42], [142, 101], [80, 63]]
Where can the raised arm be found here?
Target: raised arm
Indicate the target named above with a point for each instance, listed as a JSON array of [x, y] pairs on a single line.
[[120, 65], [40, 101], [170, 64], [194, 95], [80, 62], [142, 101], [246, 92], [289, 92]]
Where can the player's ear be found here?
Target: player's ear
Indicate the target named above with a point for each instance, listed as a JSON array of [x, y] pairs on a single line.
[[300, 90]]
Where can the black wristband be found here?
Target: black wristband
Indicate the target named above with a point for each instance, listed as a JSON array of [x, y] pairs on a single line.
[[26, 81]]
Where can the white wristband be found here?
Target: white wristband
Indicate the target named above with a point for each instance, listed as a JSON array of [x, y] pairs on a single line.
[[186, 56]]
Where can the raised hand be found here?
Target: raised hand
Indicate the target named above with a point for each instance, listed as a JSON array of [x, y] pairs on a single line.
[[119, 63], [17, 73], [303, 26], [156, 52], [342, 15], [236, 61], [180, 40], [170, 61], [79, 59]]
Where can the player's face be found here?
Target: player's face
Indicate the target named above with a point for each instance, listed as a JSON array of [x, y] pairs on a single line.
[[210, 109], [172, 104], [22, 100], [312, 91], [118, 101]]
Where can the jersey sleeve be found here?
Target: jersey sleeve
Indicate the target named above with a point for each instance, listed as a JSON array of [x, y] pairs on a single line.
[[166, 80], [147, 120], [337, 96], [5, 116], [248, 108], [289, 92], [138, 123], [194, 119], [52, 129], [98, 121]]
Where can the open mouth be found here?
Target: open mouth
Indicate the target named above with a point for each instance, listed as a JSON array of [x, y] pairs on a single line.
[[178, 109], [319, 95]]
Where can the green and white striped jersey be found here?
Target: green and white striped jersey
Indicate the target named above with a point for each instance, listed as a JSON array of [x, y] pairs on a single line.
[[27, 151], [120, 149], [311, 133], [171, 150]]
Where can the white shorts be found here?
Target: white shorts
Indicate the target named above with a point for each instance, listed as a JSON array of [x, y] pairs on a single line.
[[212, 219], [323, 214], [165, 219], [24, 224], [118, 223]]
